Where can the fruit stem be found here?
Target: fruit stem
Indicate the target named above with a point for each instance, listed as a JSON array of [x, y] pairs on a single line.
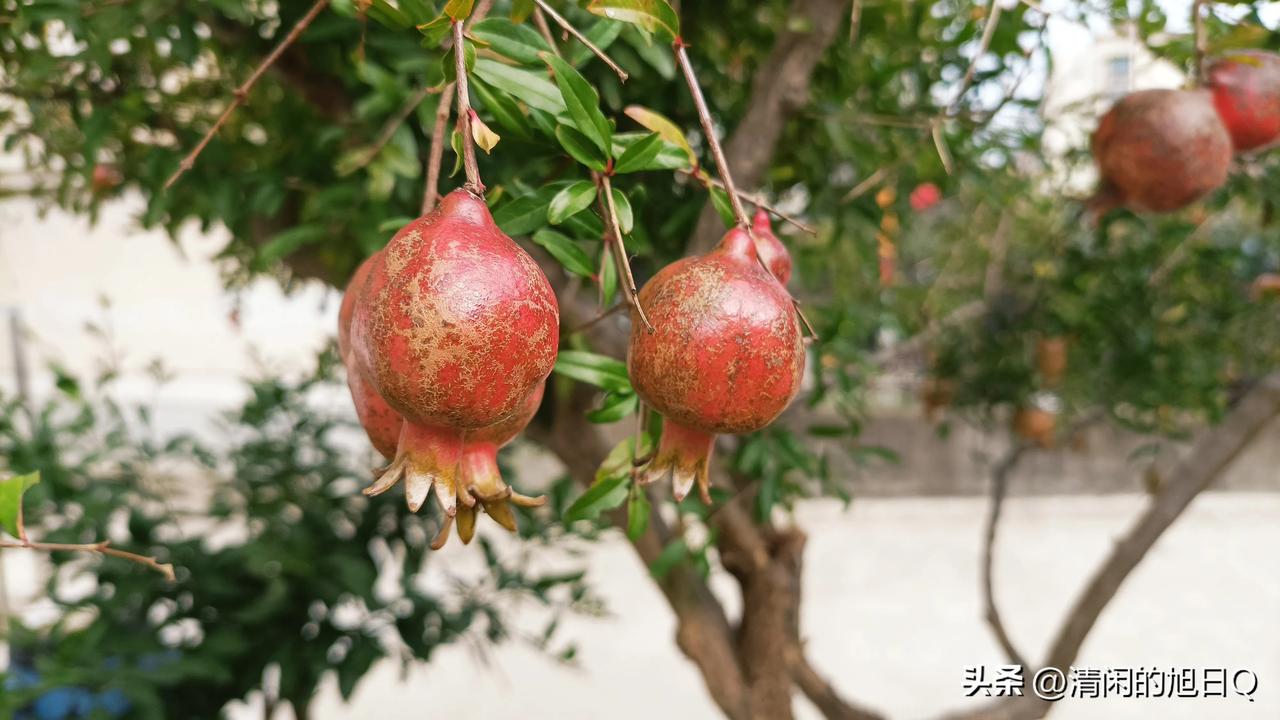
[[619, 249], [1201, 42], [708, 129], [242, 93], [544, 7], [753, 198], [474, 184]]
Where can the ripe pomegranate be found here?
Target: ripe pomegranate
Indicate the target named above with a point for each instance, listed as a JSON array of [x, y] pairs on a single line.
[[1160, 150], [1036, 425], [455, 326], [1051, 359], [725, 357], [770, 248], [105, 178], [924, 196], [1266, 284], [481, 480], [1246, 92], [381, 423]]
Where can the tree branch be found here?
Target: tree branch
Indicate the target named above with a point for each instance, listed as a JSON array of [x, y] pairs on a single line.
[[999, 488], [822, 694], [101, 548], [569, 28], [431, 193], [780, 87], [474, 185], [242, 93], [394, 122]]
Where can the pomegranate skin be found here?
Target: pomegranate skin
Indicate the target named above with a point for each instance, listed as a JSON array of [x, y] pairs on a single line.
[[1246, 93], [456, 324], [380, 422], [481, 486], [1160, 150], [770, 248], [726, 355], [455, 327]]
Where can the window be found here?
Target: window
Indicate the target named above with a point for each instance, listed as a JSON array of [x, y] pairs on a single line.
[[1117, 82]]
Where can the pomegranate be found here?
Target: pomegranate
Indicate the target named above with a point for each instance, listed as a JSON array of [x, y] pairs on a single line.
[[1160, 150], [481, 482], [105, 178], [1036, 425], [1246, 92], [380, 422], [725, 357], [924, 196], [1051, 359], [454, 327], [770, 248]]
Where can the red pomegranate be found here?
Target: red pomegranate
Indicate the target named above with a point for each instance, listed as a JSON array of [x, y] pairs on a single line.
[[725, 357], [1160, 150], [1246, 92], [924, 196], [455, 326], [771, 250], [481, 485], [380, 422]]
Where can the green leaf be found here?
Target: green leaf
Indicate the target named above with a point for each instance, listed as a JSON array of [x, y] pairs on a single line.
[[433, 32], [503, 109], [458, 10], [419, 11], [521, 10], [615, 407], [566, 252], [11, 490], [720, 199], [285, 243], [524, 214], [601, 33], [637, 512], [583, 103], [598, 498], [384, 13], [608, 280], [640, 155], [673, 554], [657, 122], [581, 148], [518, 42], [626, 220], [528, 87], [653, 16], [620, 460], [594, 369], [449, 66], [394, 224], [571, 200]]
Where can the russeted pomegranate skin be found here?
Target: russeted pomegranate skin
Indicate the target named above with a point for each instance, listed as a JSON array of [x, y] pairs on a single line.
[[380, 422], [1160, 150], [1246, 92], [726, 356], [455, 327], [482, 486], [771, 250]]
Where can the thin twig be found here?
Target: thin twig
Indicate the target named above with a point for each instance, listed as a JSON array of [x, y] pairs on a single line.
[[619, 250], [753, 198], [999, 488], [855, 21], [861, 188], [540, 21], [242, 93], [392, 124], [101, 548], [474, 185], [708, 128], [988, 32], [431, 194], [597, 319], [569, 28], [1201, 41]]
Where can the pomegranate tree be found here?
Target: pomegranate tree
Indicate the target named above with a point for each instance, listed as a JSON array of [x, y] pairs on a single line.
[[1160, 150], [1246, 93], [455, 327], [725, 356]]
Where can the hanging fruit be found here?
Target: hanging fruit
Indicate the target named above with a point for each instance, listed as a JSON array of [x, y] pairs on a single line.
[[380, 422], [771, 250], [1246, 91], [455, 327], [726, 356]]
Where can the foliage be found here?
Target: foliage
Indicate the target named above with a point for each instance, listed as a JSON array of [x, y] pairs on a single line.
[[290, 568]]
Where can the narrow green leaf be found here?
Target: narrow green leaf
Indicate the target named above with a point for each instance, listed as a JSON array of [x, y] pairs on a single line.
[[626, 220], [524, 214], [287, 242], [521, 10], [504, 110], [449, 66], [419, 11], [608, 280], [580, 148], [433, 32], [657, 122], [458, 10], [583, 103], [394, 224], [598, 498], [571, 200], [518, 42], [566, 252], [637, 512], [615, 407], [720, 199], [384, 13], [594, 369], [528, 87], [673, 554], [640, 155], [601, 33], [653, 16], [11, 491], [619, 461]]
